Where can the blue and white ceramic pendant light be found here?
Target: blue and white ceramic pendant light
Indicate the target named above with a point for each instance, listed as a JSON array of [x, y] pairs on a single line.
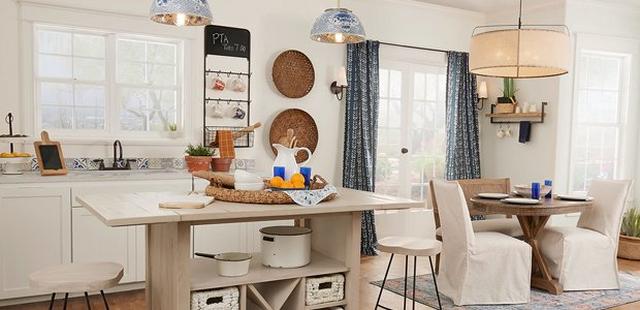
[[181, 12], [338, 25]]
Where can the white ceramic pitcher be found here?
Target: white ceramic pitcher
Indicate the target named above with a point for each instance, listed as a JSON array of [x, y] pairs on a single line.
[[287, 158]]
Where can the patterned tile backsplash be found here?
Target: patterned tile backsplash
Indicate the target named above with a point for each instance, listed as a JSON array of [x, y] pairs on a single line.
[[84, 163]]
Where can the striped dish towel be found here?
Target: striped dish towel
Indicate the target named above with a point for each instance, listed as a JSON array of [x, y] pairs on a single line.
[[224, 139]]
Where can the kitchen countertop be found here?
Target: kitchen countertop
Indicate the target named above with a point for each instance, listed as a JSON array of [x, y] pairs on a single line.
[[97, 176]]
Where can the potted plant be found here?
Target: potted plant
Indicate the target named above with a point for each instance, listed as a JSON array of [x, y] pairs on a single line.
[[221, 164], [507, 103], [198, 157], [629, 245]]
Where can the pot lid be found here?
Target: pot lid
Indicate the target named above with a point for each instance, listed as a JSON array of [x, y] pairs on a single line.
[[232, 257], [285, 230]]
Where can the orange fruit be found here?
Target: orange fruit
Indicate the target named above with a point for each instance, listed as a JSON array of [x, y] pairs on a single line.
[[298, 185], [287, 184], [276, 182], [297, 178]]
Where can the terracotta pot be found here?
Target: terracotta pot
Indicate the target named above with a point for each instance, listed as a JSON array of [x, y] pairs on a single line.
[[222, 164], [629, 247], [198, 163]]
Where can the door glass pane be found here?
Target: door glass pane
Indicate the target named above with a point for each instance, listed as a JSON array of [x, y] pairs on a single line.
[[88, 45], [54, 42], [86, 69], [51, 66]]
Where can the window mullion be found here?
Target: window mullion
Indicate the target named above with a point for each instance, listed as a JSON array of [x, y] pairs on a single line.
[[111, 106]]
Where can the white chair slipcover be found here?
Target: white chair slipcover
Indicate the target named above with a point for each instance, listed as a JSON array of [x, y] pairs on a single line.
[[507, 226], [481, 267], [584, 257]]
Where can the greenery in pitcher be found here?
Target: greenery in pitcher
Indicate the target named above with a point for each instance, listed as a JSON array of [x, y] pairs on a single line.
[[631, 223], [508, 91]]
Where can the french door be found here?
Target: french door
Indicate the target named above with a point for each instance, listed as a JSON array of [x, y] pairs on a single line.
[[411, 127]]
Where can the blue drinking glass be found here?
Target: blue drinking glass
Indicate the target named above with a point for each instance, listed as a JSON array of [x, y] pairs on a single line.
[[278, 171], [306, 172], [548, 183], [535, 190]]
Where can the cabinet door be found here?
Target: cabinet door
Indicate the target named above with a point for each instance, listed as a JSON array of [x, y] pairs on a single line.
[[93, 241], [35, 230]]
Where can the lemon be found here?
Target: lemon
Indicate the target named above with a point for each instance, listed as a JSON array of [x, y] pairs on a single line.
[[276, 182], [297, 178]]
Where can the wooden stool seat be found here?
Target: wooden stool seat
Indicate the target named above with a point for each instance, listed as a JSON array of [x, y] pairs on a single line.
[[410, 246], [77, 277]]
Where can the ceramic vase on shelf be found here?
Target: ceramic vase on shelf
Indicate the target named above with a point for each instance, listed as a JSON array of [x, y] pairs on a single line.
[[287, 158]]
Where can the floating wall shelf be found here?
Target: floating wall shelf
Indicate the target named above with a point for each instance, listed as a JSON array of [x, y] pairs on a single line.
[[509, 118]]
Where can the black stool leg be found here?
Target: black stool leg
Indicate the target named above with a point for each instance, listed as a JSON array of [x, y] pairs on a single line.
[[86, 298], [53, 299], [66, 296], [386, 273], [435, 283], [106, 304], [406, 279], [415, 261]]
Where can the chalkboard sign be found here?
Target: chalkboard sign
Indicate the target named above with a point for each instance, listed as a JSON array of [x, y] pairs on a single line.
[[227, 41], [49, 154]]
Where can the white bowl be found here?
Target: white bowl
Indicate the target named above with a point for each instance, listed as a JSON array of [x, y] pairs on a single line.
[[525, 190], [249, 186], [233, 264]]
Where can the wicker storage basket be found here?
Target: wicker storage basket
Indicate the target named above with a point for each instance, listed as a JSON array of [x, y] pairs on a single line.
[[326, 289], [505, 108], [218, 299], [629, 247], [220, 189]]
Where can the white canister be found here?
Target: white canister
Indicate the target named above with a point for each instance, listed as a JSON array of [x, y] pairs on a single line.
[[286, 246]]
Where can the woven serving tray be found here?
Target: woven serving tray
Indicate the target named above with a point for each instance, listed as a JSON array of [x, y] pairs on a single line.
[[220, 191], [293, 74]]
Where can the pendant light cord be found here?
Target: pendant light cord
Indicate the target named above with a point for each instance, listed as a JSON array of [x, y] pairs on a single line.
[[519, 15]]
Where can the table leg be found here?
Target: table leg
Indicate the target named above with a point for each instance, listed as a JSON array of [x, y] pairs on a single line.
[[168, 273], [540, 276], [339, 238]]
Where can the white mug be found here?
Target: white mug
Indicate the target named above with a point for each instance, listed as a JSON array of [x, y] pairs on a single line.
[[500, 133], [533, 108]]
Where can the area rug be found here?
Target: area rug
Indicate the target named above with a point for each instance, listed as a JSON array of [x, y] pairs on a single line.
[[425, 294]]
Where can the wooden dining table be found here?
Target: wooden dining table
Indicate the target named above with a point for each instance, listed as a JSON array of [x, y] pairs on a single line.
[[532, 219]]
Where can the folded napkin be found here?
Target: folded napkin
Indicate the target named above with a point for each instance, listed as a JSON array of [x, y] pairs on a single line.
[[311, 197], [175, 201], [525, 132]]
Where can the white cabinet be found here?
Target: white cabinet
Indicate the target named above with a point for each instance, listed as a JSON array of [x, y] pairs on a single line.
[[95, 242], [35, 232]]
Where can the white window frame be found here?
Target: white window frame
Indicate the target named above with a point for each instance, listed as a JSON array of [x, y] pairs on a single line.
[[623, 106], [112, 106]]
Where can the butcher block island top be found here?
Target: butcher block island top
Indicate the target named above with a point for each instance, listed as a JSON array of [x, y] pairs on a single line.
[[142, 208]]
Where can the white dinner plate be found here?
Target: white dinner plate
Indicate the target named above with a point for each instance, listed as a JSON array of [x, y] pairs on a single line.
[[493, 195], [521, 201], [574, 197]]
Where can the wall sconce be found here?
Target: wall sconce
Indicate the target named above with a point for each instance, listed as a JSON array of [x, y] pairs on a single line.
[[339, 86], [482, 95]]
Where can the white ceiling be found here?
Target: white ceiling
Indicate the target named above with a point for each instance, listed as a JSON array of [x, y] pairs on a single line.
[[487, 6]]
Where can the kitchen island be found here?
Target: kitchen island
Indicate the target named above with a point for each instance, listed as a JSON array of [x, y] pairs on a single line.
[[172, 274]]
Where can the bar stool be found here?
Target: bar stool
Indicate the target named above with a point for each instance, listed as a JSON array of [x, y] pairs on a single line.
[[409, 246], [77, 277]]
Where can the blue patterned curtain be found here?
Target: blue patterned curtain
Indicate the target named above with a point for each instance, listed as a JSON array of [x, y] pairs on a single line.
[[361, 130], [463, 147]]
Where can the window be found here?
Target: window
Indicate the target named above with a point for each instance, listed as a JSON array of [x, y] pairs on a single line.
[[106, 84], [599, 117], [411, 128]]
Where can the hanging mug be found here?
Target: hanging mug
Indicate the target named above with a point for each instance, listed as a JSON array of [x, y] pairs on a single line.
[[508, 133], [218, 84], [238, 85], [500, 133], [239, 113]]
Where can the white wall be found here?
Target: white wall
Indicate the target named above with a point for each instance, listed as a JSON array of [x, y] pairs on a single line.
[[276, 25]]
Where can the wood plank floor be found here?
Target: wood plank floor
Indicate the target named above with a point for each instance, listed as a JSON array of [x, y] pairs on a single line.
[[372, 269]]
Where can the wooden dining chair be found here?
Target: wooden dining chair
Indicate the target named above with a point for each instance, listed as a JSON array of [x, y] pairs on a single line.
[[472, 188]]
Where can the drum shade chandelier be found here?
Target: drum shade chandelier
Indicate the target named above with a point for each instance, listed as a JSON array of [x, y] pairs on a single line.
[[338, 25], [520, 51], [181, 12]]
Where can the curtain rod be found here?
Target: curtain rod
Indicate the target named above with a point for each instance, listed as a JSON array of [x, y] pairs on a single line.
[[415, 47]]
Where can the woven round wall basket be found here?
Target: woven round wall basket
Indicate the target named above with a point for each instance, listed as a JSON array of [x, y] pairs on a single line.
[[293, 74], [304, 129]]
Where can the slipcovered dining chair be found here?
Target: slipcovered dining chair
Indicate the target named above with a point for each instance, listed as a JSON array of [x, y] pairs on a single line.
[[478, 267], [471, 188], [584, 257]]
